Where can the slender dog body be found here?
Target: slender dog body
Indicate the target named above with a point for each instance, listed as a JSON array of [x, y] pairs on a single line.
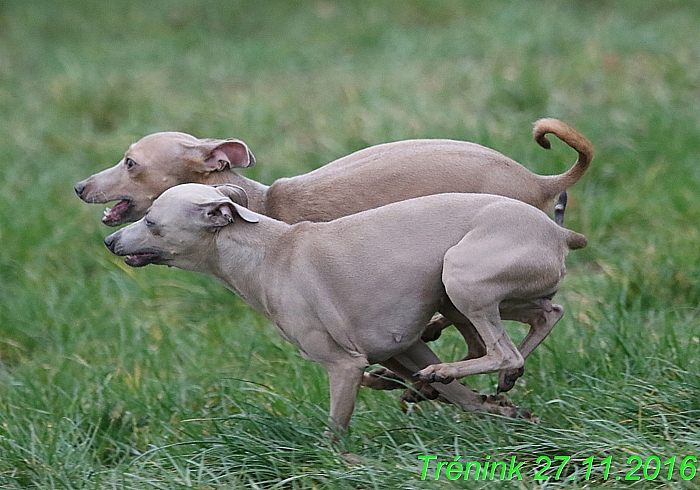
[[363, 180], [360, 289], [402, 170]]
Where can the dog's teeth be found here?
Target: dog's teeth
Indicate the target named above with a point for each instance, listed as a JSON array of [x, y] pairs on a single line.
[[107, 211]]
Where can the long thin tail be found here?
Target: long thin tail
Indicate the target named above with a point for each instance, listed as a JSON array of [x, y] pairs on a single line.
[[575, 140]]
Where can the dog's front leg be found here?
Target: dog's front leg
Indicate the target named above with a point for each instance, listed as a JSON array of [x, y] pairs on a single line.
[[344, 379]]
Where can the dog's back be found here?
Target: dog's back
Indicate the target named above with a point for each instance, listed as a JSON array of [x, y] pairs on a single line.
[[392, 172], [427, 222]]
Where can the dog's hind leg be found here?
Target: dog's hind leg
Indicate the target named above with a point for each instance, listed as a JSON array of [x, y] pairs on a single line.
[[501, 353], [560, 208], [419, 355], [542, 316], [497, 262], [476, 284]]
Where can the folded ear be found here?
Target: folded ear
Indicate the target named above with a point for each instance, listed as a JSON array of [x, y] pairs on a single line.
[[246, 214], [221, 154], [222, 213], [234, 192]]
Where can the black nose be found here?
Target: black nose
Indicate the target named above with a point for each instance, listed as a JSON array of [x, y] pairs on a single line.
[[79, 189], [109, 241]]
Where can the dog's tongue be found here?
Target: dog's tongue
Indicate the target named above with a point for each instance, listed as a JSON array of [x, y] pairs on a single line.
[[116, 212]]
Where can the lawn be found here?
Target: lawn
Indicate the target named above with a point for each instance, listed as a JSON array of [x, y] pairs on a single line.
[[112, 377]]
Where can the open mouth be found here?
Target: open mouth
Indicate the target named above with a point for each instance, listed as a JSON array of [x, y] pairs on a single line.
[[139, 260], [117, 214]]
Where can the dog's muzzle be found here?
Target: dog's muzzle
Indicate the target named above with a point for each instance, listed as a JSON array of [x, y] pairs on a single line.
[[110, 242], [138, 259]]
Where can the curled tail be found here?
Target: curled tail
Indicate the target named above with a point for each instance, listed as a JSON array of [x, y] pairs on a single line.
[[577, 141]]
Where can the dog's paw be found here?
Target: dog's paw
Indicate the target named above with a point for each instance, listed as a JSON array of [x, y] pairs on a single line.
[[419, 392], [437, 373], [502, 405], [507, 379], [382, 379]]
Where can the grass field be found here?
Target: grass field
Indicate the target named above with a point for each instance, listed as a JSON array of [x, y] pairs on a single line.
[[112, 377]]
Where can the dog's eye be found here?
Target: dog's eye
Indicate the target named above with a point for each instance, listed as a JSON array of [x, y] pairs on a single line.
[[151, 226], [129, 163]]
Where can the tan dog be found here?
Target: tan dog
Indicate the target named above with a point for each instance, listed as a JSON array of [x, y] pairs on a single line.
[[366, 179], [360, 289], [363, 180]]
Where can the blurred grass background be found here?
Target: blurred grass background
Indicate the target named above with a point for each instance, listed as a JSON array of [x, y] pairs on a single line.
[[157, 378]]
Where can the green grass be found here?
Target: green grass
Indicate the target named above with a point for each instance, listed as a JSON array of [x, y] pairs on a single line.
[[157, 378]]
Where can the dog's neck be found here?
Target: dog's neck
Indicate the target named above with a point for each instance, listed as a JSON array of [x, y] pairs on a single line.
[[257, 192], [243, 250]]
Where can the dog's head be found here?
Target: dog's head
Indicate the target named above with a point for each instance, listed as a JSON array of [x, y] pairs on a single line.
[[154, 164], [180, 226]]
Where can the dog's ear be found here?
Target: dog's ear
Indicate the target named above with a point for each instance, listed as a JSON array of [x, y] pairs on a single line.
[[221, 213], [222, 154], [246, 214], [234, 192]]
